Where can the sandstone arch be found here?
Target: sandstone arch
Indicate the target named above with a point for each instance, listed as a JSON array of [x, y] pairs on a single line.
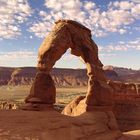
[[69, 34]]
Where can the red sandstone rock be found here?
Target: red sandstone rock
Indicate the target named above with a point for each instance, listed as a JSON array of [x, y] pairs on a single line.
[[70, 34]]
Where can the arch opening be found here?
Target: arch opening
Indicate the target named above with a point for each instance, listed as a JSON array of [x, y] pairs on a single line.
[[70, 79]]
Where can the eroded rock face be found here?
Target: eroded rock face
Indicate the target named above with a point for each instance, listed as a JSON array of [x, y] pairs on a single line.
[[126, 98], [124, 88], [125, 91], [70, 34]]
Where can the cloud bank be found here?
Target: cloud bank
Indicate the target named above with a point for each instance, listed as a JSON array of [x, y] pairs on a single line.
[[117, 17], [12, 14]]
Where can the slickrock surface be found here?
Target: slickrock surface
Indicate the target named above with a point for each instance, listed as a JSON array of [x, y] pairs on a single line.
[[51, 125], [128, 115]]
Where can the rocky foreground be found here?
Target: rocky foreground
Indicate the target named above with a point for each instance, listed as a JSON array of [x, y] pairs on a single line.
[[51, 125]]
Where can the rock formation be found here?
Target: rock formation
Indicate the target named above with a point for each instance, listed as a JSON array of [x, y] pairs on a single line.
[[127, 104], [70, 34]]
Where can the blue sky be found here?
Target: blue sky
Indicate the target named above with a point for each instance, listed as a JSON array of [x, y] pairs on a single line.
[[115, 26]]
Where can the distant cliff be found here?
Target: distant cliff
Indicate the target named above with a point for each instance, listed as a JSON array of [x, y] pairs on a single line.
[[63, 77]]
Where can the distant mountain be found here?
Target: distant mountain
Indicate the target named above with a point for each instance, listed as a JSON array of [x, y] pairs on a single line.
[[64, 77], [125, 71], [128, 75], [125, 74]]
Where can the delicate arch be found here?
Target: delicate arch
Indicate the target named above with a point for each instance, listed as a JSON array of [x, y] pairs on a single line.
[[70, 34]]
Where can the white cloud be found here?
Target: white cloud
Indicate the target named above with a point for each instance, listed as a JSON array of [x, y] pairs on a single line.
[[104, 55], [41, 28], [43, 13], [133, 45], [137, 28], [89, 5], [30, 36], [14, 55], [12, 13], [122, 31], [58, 5], [136, 1], [124, 5], [118, 16], [18, 58], [136, 11]]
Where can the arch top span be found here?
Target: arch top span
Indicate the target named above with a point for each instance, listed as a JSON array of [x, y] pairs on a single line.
[[64, 35], [74, 23]]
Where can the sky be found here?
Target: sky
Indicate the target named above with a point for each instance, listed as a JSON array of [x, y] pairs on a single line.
[[115, 27]]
